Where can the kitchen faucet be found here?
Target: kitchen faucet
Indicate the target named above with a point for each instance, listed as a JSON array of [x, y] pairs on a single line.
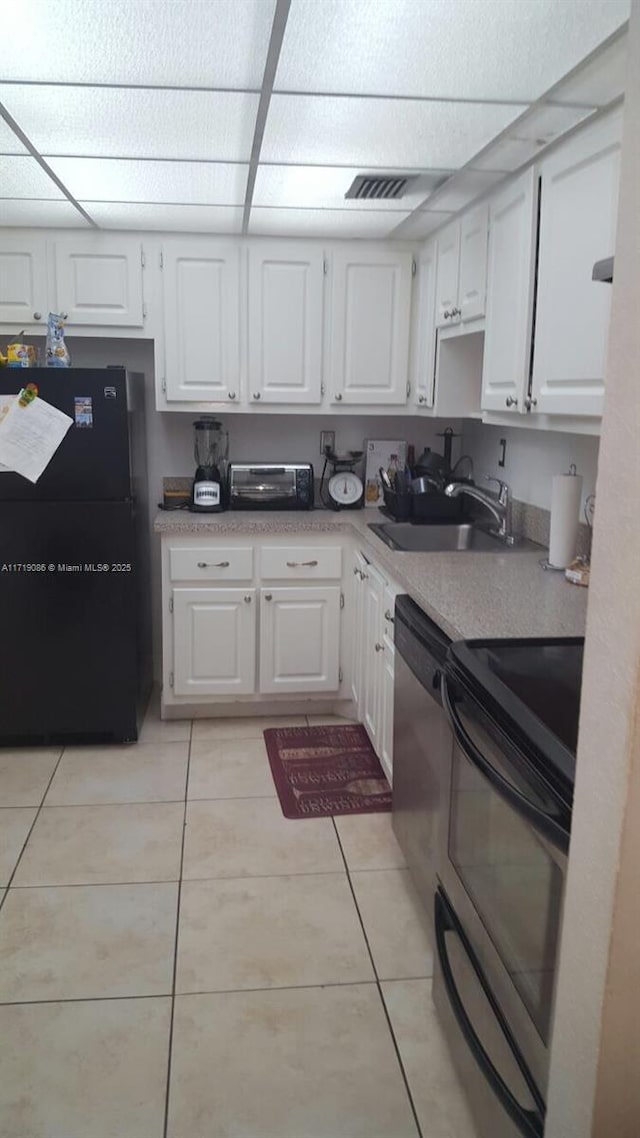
[[498, 504]]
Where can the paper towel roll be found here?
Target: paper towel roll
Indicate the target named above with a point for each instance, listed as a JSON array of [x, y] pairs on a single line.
[[566, 493]]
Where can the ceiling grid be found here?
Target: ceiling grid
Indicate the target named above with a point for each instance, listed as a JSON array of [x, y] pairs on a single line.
[[232, 116]]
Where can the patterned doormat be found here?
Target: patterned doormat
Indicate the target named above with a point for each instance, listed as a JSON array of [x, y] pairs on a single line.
[[320, 771]]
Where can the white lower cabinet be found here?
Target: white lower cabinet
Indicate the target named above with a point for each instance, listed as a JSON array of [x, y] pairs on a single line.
[[369, 708], [300, 639], [214, 641], [373, 662]]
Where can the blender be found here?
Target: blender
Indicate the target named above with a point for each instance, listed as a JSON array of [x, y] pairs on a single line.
[[211, 447]]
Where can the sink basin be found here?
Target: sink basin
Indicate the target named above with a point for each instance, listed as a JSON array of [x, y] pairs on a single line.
[[406, 537]]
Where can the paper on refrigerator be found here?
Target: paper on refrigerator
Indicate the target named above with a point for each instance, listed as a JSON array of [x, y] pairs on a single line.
[[30, 436]]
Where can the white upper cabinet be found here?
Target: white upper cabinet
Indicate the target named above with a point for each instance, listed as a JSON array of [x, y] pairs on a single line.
[[99, 279], [201, 289], [370, 321], [510, 289], [424, 364], [462, 269], [579, 197], [447, 275], [474, 233], [23, 279], [286, 290]]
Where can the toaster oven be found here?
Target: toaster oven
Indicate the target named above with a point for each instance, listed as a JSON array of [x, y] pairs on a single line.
[[271, 486]]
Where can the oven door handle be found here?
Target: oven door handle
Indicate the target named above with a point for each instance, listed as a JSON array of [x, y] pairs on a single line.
[[539, 818], [529, 1122]]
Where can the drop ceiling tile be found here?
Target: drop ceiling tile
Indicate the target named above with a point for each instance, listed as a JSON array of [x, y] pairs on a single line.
[[494, 49], [212, 43], [462, 189], [399, 133], [9, 142], [120, 180], [324, 222], [325, 186], [598, 82], [422, 223], [23, 177], [184, 218], [134, 123], [50, 213], [528, 137]]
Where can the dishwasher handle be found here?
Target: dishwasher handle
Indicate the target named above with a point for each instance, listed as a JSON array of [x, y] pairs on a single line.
[[529, 1122], [541, 819]]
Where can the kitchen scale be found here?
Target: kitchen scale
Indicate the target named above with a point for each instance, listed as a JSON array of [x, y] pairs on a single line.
[[344, 489]]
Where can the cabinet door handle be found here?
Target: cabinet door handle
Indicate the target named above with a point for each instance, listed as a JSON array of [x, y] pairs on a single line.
[[530, 402], [247, 599], [232, 395], [422, 399], [389, 616], [511, 401], [256, 395], [213, 564], [338, 397], [268, 596], [37, 316], [447, 314], [379, 647], [456, 312], [297, 564]]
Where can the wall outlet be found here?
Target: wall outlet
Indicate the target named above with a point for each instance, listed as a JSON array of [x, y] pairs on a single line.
[[327, 441]]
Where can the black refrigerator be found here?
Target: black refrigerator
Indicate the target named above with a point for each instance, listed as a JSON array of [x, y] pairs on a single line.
[[75, 606]]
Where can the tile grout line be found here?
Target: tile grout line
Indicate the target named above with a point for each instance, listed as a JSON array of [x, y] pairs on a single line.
[[378, 985], [31, 828], [175, 950]]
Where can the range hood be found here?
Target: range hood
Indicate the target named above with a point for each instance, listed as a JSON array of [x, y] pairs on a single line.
[[603, 270]]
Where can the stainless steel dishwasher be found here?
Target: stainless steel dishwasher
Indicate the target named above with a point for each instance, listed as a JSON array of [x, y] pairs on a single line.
[[422, 745]]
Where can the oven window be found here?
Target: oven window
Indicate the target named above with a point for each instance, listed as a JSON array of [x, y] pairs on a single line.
[[513, 881]]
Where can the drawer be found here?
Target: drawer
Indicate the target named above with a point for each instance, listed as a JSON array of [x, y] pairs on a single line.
[[210, 564], [300, 563]]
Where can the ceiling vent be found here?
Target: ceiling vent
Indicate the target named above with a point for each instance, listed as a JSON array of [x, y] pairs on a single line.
[[380, 187]]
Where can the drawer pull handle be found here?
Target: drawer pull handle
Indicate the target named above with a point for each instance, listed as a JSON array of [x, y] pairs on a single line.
[[213, 564], [297, 564]]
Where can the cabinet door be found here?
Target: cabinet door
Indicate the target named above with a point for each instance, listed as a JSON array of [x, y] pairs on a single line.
[[359, 570], [447, 276], [300, 639], [23, 280], [510, 284], [214, 641], [372, 626], [474, 233], [201, 314], [286, 290], [578, 210], [370, 318], [99, 280], [386, 708], [425, 347]]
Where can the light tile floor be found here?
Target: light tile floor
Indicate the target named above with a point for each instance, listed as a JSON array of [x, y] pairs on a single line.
[[178, 960]]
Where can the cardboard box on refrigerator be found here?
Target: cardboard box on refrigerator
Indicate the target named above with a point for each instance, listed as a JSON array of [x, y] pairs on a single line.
[[390, 454]]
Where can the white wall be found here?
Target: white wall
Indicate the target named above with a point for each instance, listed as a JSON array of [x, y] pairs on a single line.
[[532, 458]]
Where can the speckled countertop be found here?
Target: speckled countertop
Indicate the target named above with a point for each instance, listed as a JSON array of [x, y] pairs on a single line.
[[469, 595]]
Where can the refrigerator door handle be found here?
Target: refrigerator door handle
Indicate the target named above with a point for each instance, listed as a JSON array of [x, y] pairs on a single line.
[[540, 819], [529, 1122]]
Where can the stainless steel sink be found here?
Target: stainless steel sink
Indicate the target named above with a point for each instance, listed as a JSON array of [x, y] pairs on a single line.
[[406, 537]]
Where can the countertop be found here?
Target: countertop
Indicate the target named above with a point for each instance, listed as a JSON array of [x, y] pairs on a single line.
[[469, 595]]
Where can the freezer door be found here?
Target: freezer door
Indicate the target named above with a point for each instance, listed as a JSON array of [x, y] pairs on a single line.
[[72, 646], [92, 462]]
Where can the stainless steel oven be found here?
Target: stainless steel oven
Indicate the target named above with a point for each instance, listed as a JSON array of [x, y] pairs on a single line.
[[513, 710]]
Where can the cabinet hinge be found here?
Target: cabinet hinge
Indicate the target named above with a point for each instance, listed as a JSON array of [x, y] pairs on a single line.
[[170, 604], [408, 388], [414, 267], [161, 260], [170, 679], [142, 258], [325, 266], [340, 675], [341, 600], [144, 311], [163, 384]]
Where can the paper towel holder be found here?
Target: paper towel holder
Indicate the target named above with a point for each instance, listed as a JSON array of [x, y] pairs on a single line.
[[544, 562]]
